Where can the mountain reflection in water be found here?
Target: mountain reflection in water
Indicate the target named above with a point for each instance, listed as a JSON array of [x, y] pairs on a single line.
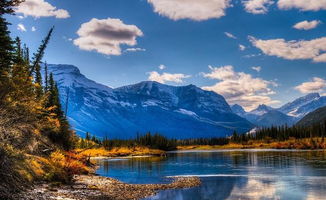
[[238, 174]]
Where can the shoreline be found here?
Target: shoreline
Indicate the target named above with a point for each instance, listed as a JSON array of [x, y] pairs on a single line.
[[94, 187]]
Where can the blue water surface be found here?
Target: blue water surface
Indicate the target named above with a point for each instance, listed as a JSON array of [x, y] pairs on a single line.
[[229, 174]]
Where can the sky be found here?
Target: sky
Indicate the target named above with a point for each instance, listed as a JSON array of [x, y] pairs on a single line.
[[250, 51]]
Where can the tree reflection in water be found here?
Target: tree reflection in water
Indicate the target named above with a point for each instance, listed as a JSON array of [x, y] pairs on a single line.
[[230, 174]]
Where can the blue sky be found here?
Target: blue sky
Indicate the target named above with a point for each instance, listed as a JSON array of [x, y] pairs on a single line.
[[119, 42]]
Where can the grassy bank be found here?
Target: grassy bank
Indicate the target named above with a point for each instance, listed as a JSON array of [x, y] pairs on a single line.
[[119, 151], [292, 143]]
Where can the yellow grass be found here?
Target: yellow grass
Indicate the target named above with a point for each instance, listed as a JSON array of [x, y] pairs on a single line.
[[119, 151], [288, 144]]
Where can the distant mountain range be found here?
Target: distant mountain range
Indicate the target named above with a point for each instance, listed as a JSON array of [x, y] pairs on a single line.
[[288, 114], [264, 116], [177, 112]]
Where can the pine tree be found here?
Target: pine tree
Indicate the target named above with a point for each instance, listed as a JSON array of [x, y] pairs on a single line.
[[7, 6], [40, 52], [26, 55], [21, 85], [38, 82], [46, 78], [6, 51], [6, 47]]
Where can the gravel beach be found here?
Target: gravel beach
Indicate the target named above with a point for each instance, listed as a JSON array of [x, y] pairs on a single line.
[[91, 187]]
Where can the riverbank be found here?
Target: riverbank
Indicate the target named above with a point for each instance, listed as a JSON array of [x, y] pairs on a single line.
[[119, 152], [300, 144], [91, 187]]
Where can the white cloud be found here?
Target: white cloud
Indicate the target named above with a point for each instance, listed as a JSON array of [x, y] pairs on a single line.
[[293, 50], [240, 88], [306, 25], [242, 47], [230, 35], [106, 35], [197, 10], [41, 8], [257, 6], [134, 49], [316, 85], [21, 27], [257, 69], [33, 29], [303, 5], [162, 67], [252, 55], [320, 58], [166, 77]]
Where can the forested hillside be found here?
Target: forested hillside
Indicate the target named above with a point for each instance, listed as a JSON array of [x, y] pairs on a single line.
[[32, 123], [316, 117]]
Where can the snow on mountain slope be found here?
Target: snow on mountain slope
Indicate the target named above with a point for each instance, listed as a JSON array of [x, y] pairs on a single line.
[[177, 112], [303, 105]]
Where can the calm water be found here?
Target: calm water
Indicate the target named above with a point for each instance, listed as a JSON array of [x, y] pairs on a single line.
[[245, 175]]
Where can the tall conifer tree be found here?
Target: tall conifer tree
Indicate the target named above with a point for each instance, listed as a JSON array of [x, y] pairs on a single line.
[[40, 52]]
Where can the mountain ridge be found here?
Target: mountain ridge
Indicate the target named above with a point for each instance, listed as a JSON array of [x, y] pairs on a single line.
[[176, 111]]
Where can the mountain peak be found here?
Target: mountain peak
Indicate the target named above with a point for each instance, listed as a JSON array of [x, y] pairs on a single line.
[[237, 109], [293, 108], [261, 109], [64, 68]]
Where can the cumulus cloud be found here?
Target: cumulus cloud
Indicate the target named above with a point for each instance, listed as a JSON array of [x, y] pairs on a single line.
[[242, 47], [41, 8], [33, 29], [134, 49], [240, 88], [303, 5], [257, 69], [293, 50], [21, 27], [306, 25], [257, 6], [166, 77], [106, 35], [316, 85], [230, 35], [190, 9], [162, 67]]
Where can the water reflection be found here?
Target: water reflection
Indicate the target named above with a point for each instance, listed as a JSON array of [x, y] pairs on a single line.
[[230, 174]]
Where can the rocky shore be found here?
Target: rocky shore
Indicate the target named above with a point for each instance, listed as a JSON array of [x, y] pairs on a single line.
[[91, 187]]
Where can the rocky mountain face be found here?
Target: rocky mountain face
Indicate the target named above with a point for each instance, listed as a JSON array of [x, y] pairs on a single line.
[[303, 105], [176, 112]]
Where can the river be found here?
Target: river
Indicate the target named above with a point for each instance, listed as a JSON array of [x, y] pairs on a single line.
[[229, 174]]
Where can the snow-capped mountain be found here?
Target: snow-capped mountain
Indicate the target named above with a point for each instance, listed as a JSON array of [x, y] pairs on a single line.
[[288, 114], [177, 112], [261, 110], [264, 116], [303, 105], [275, 118], [237, 109]]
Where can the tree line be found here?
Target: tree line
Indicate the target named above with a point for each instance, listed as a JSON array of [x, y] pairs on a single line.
[[157, 141]]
